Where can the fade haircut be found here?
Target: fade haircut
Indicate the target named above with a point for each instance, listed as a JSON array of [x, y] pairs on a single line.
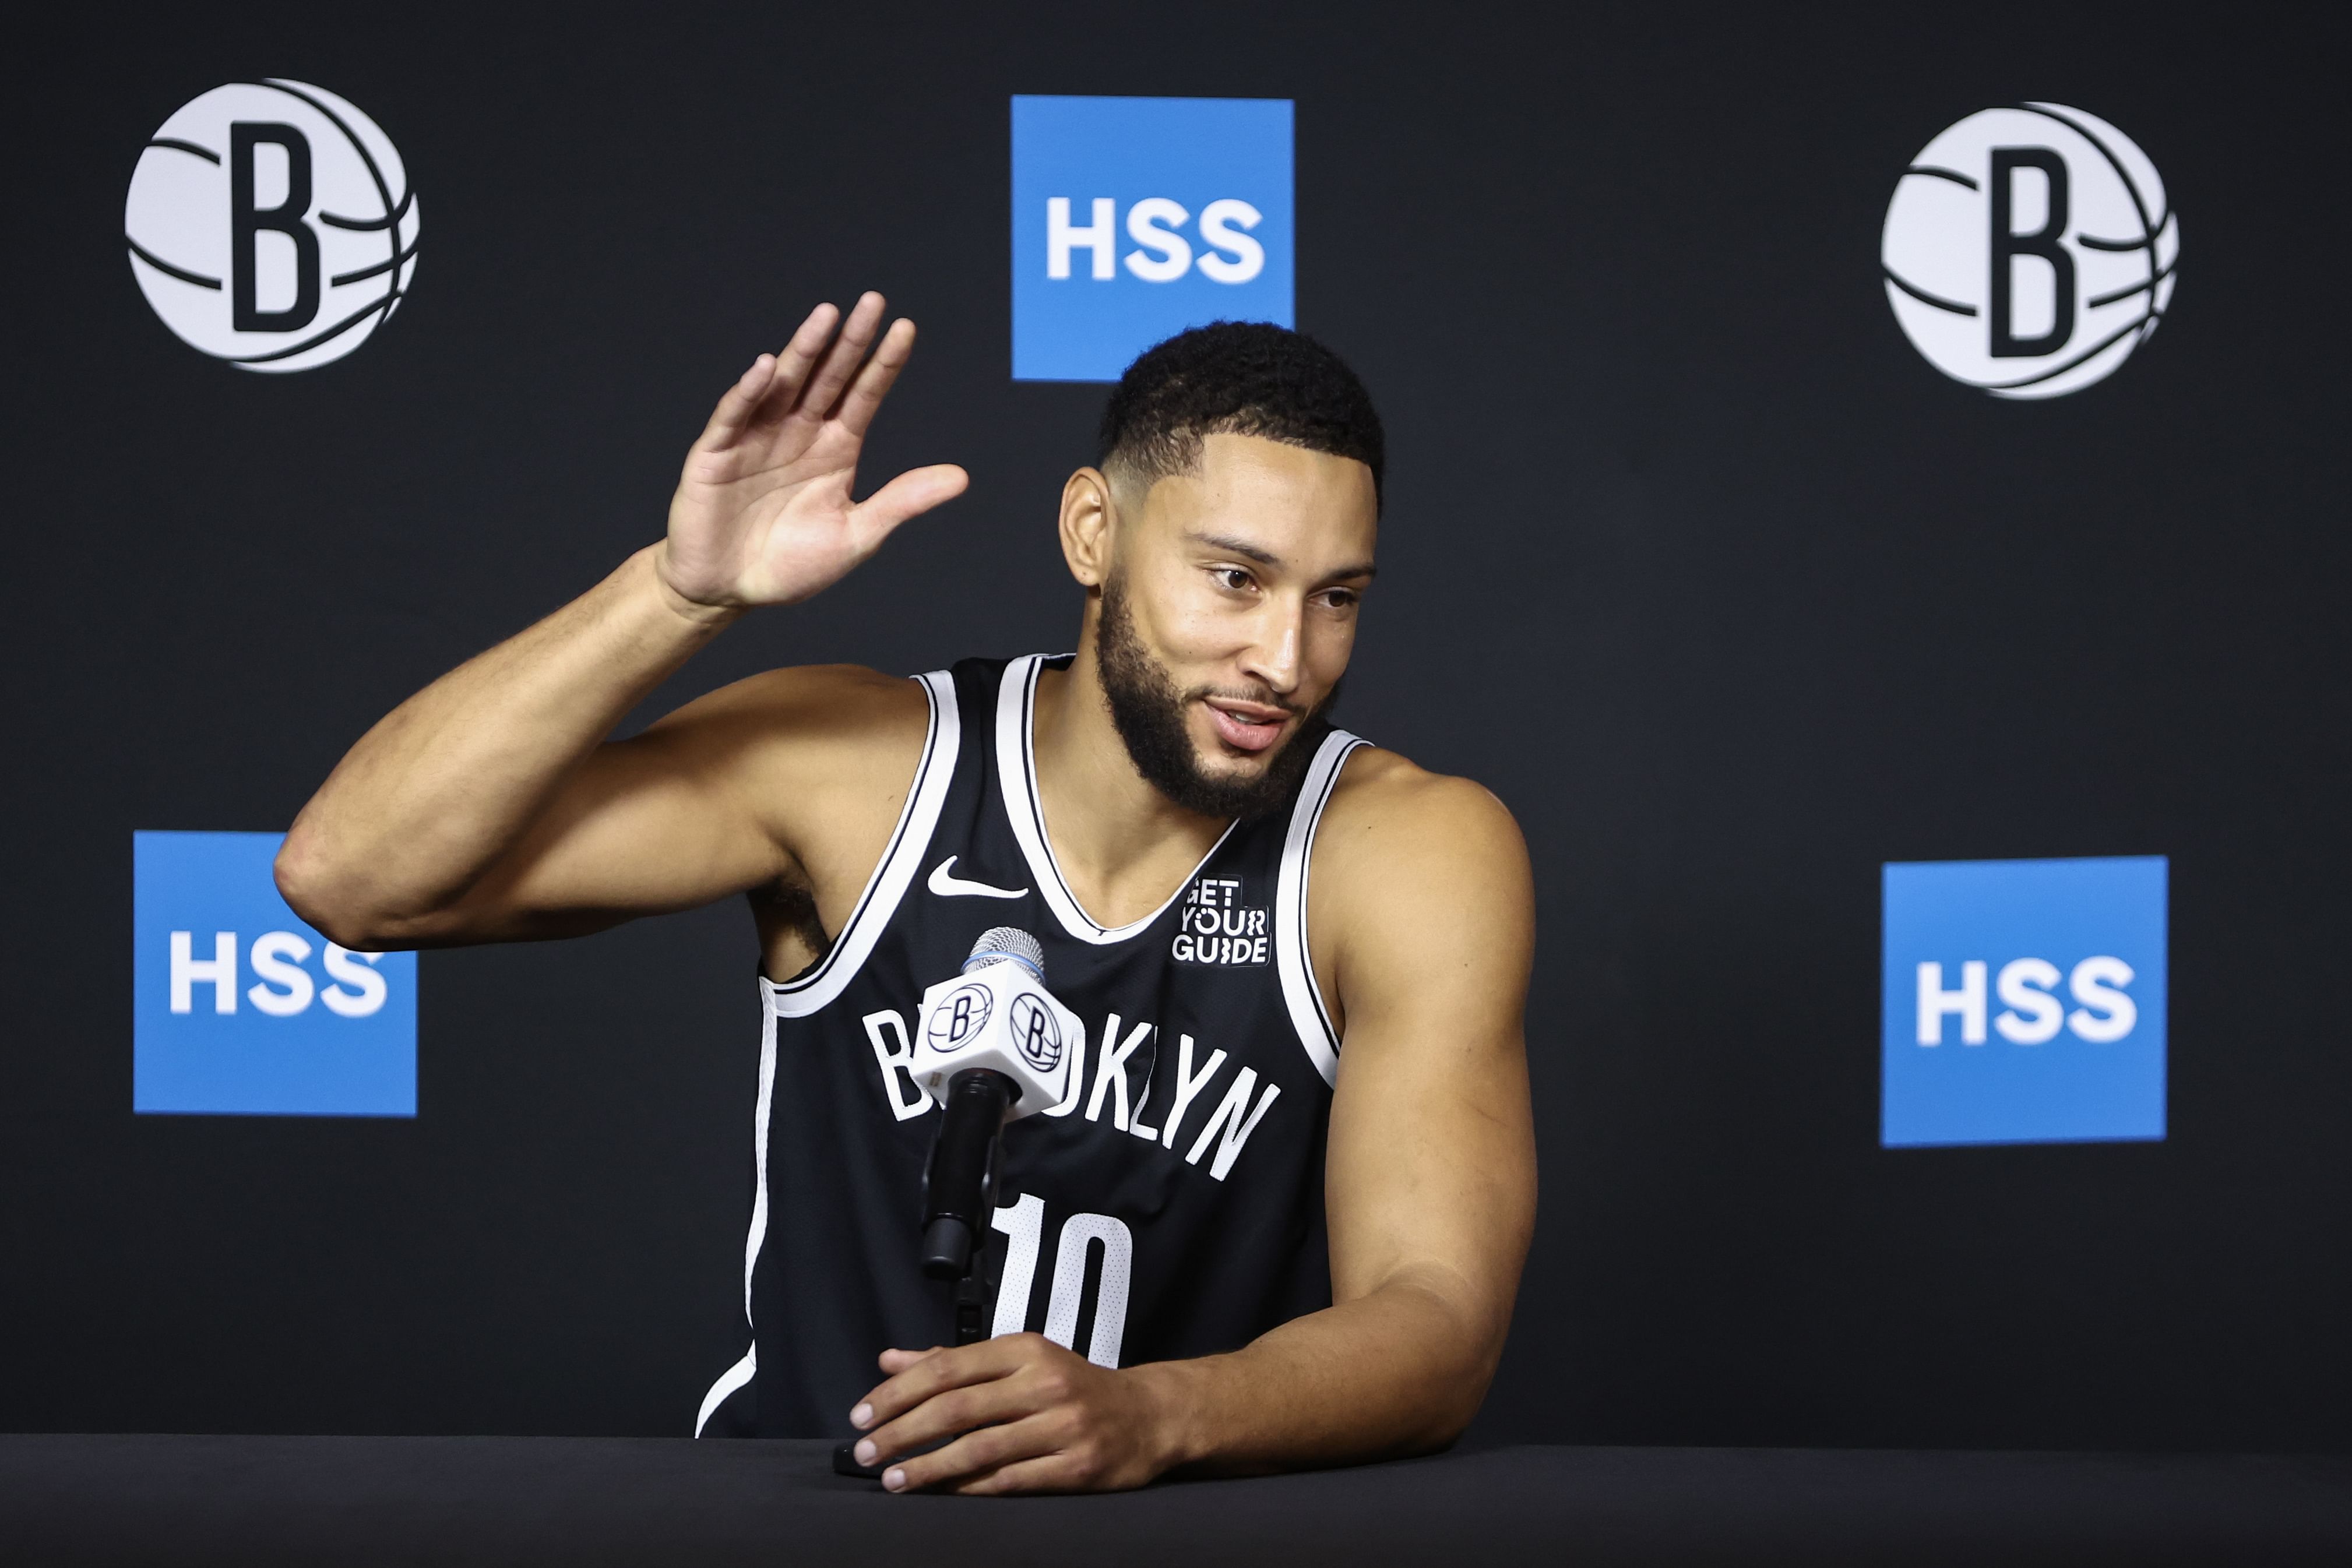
[[1236, 378]]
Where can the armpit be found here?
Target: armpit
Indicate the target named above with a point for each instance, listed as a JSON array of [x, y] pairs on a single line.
[[792, 936]]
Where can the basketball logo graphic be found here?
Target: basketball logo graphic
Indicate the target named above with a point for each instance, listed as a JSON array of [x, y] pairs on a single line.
[[2029, 250], [1036, 1032], [272, 224], [958, 1017]]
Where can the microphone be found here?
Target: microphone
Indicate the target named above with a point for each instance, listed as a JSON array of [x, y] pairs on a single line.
[[991, 1046]]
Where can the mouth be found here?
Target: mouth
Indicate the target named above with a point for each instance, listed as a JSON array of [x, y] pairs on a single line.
[[1246, 727]]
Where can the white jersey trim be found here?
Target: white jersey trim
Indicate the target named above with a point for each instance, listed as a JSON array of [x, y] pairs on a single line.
[[758, 1234], [1016, 773], [737, 1375], [1300, 992], [925, 796], [896, 869], [733, 1378]]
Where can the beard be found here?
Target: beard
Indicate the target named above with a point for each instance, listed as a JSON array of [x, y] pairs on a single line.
[[1148, 711]]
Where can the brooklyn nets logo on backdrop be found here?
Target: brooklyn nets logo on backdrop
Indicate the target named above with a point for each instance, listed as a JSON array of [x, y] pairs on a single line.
[[272, 224], [2029, 250]]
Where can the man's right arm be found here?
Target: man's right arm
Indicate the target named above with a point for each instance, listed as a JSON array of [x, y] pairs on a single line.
[[489, 807]]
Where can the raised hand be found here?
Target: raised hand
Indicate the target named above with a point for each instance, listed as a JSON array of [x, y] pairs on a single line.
[[764, 513]]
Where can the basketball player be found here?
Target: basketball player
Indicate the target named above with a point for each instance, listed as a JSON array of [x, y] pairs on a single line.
[[1280, 1219]]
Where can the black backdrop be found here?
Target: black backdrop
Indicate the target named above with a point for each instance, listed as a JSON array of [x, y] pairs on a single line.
[[1688, 555]]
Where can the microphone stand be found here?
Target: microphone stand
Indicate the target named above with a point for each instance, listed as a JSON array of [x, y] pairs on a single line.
[[959, 1194]]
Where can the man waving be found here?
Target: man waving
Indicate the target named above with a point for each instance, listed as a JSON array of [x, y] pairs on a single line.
[[1279, 1217]]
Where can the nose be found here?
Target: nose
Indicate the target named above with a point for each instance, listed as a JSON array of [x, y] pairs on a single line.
[[1274, 656]]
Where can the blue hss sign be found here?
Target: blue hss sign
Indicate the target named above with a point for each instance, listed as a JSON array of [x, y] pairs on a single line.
[[2023, 1001], [1134, 218], [238, 1009]]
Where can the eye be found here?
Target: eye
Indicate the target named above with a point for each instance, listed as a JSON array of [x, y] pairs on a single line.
[[1341, 598], [1232, 578]]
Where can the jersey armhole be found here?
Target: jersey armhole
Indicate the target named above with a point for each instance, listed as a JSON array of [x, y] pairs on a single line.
[[1300, 993], [893, 873]]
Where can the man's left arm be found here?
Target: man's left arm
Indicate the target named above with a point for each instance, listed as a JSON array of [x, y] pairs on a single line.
[[1422, 934]]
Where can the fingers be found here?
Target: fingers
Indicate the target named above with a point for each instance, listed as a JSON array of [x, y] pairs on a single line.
[[770, 382], [910, 495], [983, 1460], [873, 383], [1047, 1472], [956, 1413], [893, 1362], [930, 1372], [739, 401], [808, 377], [954, 1410], [805, 348], [842, 360]]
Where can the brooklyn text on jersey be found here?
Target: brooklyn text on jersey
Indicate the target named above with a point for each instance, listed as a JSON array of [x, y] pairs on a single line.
[[1171, 1204]]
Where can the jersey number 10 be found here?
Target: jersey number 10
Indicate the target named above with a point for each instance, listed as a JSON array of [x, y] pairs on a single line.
[[1023, 1225]]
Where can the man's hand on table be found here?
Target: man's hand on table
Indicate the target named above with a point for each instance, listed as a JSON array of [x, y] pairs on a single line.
[[1034, 1417]]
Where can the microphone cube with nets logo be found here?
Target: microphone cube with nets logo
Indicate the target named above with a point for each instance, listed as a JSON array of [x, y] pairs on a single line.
[[998, 1017]]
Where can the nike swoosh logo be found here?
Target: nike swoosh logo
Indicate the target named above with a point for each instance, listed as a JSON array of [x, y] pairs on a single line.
[[948, 886]]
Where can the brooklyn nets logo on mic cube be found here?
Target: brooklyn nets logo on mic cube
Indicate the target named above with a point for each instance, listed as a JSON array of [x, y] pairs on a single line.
[[272, 224], [2029, 250], [956, 1019]]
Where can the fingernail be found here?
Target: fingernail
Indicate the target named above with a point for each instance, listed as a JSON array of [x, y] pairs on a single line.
[[892, 1480], [866, 1450], [862, 1417]]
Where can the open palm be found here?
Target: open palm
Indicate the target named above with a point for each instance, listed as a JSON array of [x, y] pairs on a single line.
[[764, 513]]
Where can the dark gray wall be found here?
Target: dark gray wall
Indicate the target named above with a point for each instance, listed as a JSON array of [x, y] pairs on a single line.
[[1689, 556]]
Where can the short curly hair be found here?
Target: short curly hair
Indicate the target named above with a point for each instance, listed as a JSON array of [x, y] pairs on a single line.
[[1237, 377]]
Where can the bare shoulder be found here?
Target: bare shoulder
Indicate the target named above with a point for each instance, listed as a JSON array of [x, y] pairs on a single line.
[[816, 718], [848, 702], [1414, 873], [820, 753], [1386, 812]]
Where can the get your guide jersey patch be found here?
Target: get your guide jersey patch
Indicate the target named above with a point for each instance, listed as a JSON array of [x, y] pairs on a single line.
[[1215, 927]]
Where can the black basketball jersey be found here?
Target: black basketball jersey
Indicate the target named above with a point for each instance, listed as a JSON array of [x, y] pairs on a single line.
[[1171, 1206]]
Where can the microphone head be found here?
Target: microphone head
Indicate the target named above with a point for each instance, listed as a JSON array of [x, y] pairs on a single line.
[[1000, 943]]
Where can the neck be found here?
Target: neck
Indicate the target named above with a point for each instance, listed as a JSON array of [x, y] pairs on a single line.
[[1123, 847]]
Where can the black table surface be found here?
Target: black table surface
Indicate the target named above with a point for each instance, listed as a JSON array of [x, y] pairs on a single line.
[[450, 1501]]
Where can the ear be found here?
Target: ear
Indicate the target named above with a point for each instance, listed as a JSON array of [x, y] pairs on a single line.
[[1087, 521]]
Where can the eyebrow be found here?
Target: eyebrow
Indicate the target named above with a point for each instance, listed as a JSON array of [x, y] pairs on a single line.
[[1267, 558]]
